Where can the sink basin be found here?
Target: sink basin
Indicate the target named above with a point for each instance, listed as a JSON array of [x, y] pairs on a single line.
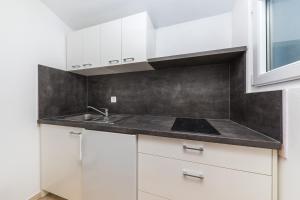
[[84, 117], [95, 118]]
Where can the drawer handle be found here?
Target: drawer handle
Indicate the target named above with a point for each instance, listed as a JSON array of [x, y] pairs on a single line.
[[185, 147], [128, 59], [113, 61], [188, 173], [75, 133], [87, 65]]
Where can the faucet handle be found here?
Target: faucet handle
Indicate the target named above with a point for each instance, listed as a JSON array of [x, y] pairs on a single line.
[[106, 112]]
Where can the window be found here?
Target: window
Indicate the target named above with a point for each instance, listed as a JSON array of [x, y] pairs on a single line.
[[276, 41], [283, 33]]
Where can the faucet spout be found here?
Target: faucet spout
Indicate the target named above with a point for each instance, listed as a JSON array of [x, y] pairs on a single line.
[[105, 113]]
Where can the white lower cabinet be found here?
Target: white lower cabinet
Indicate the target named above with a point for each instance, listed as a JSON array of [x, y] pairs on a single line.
[[61, 172], [222, 155], [177, 180], [109, 166], [79, 164], [168, 170]]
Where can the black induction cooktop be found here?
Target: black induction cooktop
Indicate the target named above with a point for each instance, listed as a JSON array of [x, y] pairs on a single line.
[[194, 126]]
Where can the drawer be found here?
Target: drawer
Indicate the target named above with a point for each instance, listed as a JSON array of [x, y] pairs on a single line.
[[147, 196], [256, 160], [164, 177]]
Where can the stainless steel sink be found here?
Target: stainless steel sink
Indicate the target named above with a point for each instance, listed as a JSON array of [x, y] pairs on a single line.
[[96, 118], [83, 117]]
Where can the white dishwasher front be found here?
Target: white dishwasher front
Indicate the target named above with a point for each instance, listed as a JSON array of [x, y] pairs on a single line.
[[109, 166]]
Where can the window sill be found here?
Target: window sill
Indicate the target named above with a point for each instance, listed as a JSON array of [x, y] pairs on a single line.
[[283, 74]]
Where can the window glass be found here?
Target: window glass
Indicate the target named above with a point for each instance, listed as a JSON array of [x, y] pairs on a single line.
[[283, 33]]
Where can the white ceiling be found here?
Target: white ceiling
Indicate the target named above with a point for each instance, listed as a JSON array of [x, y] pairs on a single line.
[[82, 13]]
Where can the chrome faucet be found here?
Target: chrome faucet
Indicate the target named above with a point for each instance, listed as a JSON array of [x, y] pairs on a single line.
[[105, 113]]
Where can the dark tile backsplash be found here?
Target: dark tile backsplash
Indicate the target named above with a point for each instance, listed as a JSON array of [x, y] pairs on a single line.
[[259, 111], [200, 92], [207, 91], [60, 92]]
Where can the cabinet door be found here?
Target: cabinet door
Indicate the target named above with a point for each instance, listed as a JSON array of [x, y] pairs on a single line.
[[61, 161], [75, 50], [134, 38], [109, 166], [91, 47], [111, 44]]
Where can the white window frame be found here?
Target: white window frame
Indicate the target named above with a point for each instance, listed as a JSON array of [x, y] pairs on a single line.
[[261, 76]]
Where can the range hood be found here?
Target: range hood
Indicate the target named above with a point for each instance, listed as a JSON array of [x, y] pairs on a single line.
[[200, 58]]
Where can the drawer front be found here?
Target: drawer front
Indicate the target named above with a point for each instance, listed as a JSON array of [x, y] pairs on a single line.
[[164, 177], [222, 155], [147, 196]]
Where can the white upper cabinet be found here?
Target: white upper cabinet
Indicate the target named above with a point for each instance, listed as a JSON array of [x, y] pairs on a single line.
[[75, 50], [134, 38], [127, 41], [91, 47], [83, 48], [111, 43]]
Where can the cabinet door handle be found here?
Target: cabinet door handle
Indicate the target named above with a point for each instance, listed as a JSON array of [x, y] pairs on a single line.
[[113, 61], [76, 66], [80, 147], [87, 65], [75, 133], [80, 142], [128, 60], [192, 174], [185, 147]]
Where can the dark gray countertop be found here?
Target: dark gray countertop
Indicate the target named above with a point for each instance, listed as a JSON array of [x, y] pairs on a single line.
[[231, 132]]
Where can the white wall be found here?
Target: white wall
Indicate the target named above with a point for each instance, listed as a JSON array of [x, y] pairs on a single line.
[[289, 175], [288, 168], [29, 34], [240, 23], [195, 36]]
